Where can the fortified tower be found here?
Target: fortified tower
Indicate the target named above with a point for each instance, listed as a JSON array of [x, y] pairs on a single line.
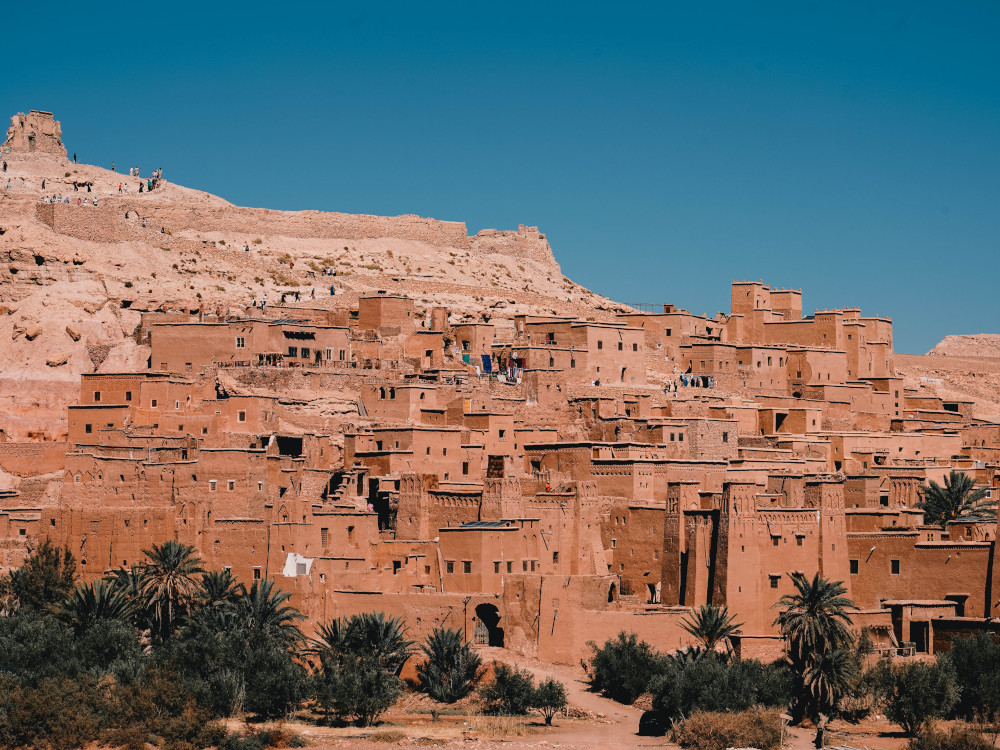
[[35, 132]]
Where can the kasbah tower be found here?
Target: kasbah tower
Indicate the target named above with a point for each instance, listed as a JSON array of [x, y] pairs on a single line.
[[388, 413]]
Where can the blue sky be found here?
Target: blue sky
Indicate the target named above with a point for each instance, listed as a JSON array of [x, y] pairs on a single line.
[[851, 149]]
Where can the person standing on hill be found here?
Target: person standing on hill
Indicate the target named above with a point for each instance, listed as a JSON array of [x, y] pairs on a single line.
[[74, 157]]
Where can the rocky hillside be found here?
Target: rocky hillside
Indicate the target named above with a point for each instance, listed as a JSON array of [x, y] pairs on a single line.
[[978, 345], [76, 277]]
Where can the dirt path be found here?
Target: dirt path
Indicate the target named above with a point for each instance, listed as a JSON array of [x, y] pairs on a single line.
[[620, 722]]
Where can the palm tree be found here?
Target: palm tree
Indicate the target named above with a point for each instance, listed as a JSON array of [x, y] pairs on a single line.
[[816, 618], [814, 622], [957, 499], [829, 677], [95, 601], [372, 634], [712, 625], [219, 588], [452, 668], [262, 610], [369, 635], [168, 583]]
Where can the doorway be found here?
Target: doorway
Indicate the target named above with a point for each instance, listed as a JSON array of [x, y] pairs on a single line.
[[487, 631]]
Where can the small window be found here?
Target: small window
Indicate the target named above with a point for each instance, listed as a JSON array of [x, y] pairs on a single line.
[[894, 567], [600, 344], [465, 467], [97, 396], [854, 567], [397, 565], [524, 566], [152, 404], [467, 566], [88, 428], [496, 567], [450, 566], [620, 346], [293, 351], [305, 352], [211, 485], [798, 541], [725, 437], [503, 432], [324, 537], [635, 347], [555, 556], [300, 569], [510, 566], [256, 574], [775, 540], [240, 342], [241, 416], [774, 581], [231, 485]]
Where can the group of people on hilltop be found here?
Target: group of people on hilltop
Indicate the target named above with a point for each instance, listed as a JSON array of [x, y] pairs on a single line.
[[60, 198]]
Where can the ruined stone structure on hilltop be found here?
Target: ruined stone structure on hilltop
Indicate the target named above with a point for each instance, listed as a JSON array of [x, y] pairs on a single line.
[[541, 474], [34, 133]]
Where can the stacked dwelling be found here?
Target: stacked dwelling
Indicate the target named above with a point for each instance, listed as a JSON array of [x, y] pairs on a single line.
[[540, 481]]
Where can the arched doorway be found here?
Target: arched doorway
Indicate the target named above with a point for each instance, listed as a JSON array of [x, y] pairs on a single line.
[[487, 631]]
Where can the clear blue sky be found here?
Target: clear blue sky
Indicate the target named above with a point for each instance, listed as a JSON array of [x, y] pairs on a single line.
[[848, 148]]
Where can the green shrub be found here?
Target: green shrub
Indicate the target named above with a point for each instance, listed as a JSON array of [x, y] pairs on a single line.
[[550, 697], [357, 689], [956, 738], [976, 661], [917, 691], [623, 667], [759, 728], [511, 693], [711, 683]]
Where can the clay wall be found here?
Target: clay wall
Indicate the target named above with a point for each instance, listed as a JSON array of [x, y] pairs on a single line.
[[926, 570], [32, 458]]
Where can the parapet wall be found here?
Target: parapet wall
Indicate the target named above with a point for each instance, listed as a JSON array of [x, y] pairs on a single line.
[[104, 223], [304, 224]]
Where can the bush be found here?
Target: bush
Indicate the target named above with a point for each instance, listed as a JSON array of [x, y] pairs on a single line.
[[758, 728], [976, 662], [916, 692], [710, 683], [452, 668], [511, 693], [957, 738], [358, 690], [623, 667], [550, 697]]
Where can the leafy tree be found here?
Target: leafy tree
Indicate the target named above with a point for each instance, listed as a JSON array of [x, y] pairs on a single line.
[[169, 585], [918, 691], [712, 625], [93, 602], [977, 668], [814, 621], [44, 580], [33, 648], [713, 683], [957, 499], [452, 669], [512, 691], [623, 667], [550, 697], [357, 688]]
